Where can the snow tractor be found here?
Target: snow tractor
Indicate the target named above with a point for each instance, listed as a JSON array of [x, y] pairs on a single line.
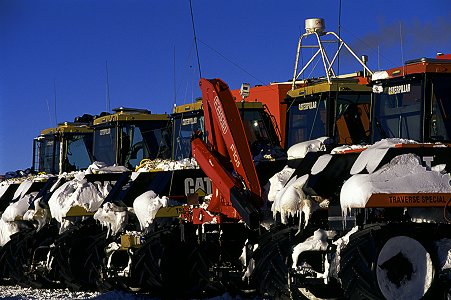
[[171, 190], [372, 220], [77, 196], [64, 148]]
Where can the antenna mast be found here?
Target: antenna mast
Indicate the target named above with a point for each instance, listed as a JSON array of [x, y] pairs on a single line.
[[195, 39], [54, 94], [107, 92]]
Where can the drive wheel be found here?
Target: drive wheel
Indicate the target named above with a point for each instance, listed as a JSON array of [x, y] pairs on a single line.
[[79, 254], [270, 275], [166, 266], [389, 262]]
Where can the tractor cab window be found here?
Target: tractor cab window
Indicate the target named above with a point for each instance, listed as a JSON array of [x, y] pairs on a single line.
[[440, 129], [398, 111], [78, 155], [184, 127], [259, 130], [352, 118], [145, 140], [47, 149], [132, 148], [307, 121], [105, 145]]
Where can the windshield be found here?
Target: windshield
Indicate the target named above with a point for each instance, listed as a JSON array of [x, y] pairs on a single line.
[[145, 140], [183, 130], [398, 111], [352, 118], [78, 152], [259, 130], [105, 145], [306, 121]]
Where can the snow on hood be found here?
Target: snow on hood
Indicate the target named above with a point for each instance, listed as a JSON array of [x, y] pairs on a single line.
[[8, 226], [22, 189], [77, 192], [146, 207], [404, 174], [167, 165], [18, 208], [301, 149], [99, 167], [347, 148], [320, 164], [113, 217], [379, 75], [39, 214], [291, 200], [372, 156], [277, 182], [318, 242]]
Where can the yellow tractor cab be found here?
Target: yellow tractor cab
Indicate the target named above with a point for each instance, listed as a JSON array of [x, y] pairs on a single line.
[[65, 148], [189, 118], [130, 135], [339, 109]]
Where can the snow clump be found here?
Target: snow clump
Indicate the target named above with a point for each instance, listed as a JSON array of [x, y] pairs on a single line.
[[146, 207], [113, 217], [299, 150], [78, 192]]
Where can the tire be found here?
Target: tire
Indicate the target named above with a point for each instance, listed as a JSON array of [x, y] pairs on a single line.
[[270, 275], [78, 256], [166, 266], [395, 261], [19, 253]]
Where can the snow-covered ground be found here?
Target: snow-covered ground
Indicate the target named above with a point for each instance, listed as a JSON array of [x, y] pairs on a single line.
[[17, 292]]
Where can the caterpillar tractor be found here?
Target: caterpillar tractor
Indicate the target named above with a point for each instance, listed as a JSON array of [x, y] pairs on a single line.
[[370, 221], [64, 148], [78, 254], [132, 263], [133, 135]]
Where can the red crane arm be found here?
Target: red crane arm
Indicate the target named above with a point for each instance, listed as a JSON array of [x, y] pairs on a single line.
[[227, 142]]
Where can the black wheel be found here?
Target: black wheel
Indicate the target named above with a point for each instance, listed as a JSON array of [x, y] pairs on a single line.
[[391, 262], [78, 256], [271, 258], [19, 253], [166, 266]]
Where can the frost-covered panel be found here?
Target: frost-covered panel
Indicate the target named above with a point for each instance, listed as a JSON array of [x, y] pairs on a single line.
[[370, 158], [404, 174]]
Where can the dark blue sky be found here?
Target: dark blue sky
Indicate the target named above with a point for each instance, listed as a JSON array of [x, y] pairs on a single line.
[[67, 43]]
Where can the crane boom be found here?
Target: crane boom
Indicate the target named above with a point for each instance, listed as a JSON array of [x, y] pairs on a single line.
[[227, 141]]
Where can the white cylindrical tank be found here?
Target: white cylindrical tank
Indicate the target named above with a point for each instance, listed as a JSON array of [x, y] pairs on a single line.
[[315, 25]]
